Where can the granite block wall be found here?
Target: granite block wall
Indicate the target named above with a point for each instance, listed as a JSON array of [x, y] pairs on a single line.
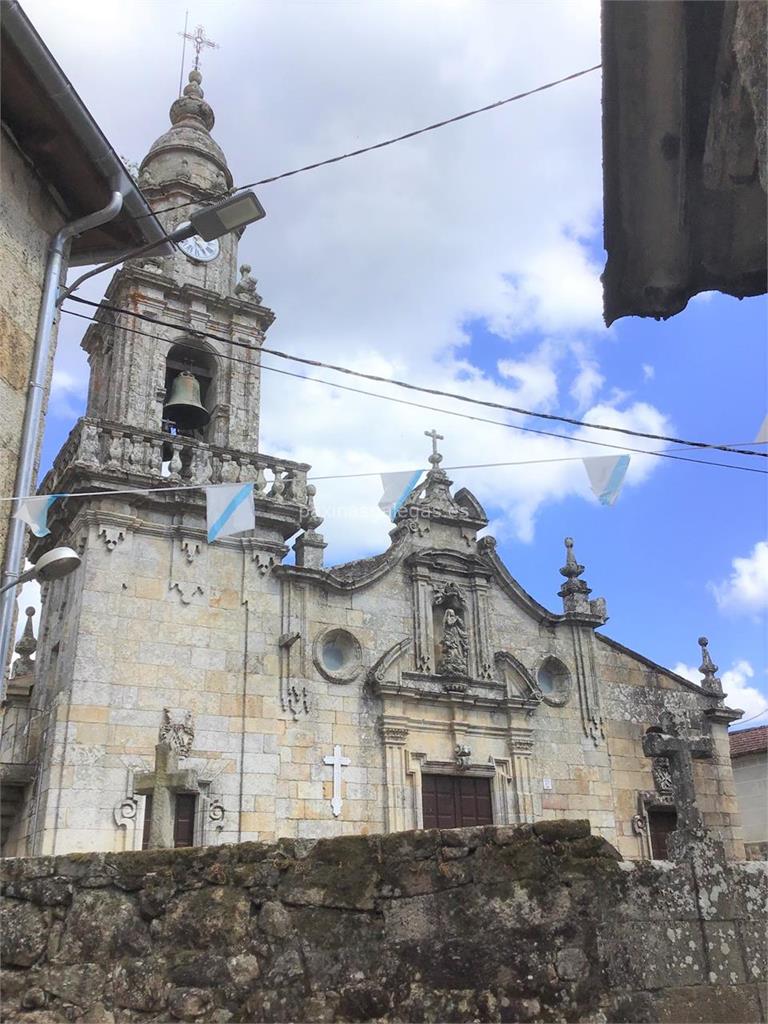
[[538, 922]]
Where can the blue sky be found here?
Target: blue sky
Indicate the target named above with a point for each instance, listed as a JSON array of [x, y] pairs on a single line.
[[469, 260]]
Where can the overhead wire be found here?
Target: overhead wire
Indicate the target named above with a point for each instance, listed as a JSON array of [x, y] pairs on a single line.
[[378, 145], [461, 415], [392, 381], [743, 721]]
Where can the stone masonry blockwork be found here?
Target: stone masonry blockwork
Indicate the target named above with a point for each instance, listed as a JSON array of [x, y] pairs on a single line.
[[537, 922]]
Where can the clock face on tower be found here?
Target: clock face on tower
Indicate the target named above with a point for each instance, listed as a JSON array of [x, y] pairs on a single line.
[[198, 249]]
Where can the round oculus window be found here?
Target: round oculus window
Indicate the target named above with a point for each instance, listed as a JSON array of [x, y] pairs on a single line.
[[338, 655], [554, 681]]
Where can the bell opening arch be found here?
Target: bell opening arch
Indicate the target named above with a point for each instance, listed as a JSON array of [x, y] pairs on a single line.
[[191, 388]]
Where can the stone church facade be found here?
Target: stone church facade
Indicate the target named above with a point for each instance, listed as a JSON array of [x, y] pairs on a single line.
[[421, 687]]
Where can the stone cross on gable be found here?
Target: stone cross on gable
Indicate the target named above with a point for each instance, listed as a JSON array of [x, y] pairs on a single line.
[[435, 457], [163, 784], [680, 753]]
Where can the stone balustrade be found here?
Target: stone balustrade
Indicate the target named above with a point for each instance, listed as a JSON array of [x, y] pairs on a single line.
[[175, 459]]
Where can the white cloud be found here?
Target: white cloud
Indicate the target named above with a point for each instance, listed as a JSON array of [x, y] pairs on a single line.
[[586, 385], [68, 391], [746, 589], [737, 691], [649, 371], [536, 382], [558, 290]]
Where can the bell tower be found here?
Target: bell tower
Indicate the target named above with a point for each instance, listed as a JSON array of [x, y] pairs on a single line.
[[168, 375]]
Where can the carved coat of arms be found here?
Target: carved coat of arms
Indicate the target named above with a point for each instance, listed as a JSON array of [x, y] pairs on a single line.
[[178, 735]]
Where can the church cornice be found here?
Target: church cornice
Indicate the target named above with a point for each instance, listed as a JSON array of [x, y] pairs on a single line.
[[443, 560], [161, 288], [355, 575]]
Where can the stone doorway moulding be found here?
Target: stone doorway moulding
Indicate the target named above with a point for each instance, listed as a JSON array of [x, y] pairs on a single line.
[[403, 773]]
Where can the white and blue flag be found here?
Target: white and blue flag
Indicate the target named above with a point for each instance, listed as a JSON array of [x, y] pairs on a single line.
[[762, 434], [606, 476], [229, 509], [34, 512], [397, 487]]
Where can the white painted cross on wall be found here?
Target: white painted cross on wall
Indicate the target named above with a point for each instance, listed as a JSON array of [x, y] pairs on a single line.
[[337, 762]]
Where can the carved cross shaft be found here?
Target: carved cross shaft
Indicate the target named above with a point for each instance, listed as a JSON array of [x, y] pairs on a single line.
[[163, 784], [680, 754], [337, 762]]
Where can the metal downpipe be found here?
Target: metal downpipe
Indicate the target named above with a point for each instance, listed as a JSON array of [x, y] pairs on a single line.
[[25, 482]]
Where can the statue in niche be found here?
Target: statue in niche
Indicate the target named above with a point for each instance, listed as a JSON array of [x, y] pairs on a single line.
[[454, 648]]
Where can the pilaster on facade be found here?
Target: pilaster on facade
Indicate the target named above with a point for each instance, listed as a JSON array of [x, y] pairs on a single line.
[[587, 682], [521, 750], [398, 809]]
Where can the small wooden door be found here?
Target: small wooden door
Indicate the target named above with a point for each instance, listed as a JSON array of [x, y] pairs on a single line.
[[454, 801], [183, 823], [184, 820], [661, 821]]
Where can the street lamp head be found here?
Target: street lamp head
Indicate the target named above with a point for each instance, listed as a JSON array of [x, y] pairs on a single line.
[[56, 563], [229, 215]]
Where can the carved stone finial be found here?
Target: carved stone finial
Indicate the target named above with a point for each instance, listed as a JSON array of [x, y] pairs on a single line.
[[708, 669], [573, 587], [191, 106], [25, 648], [571, 570], [246, 286], [575, 592], [310, 520]]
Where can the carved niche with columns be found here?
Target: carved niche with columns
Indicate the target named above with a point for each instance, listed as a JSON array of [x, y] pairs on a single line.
[[452, 636]]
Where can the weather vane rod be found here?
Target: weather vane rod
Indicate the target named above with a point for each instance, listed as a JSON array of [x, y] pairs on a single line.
[[184, 36]]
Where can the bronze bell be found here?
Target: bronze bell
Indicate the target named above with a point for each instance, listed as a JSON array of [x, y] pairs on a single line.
[[184, 407]]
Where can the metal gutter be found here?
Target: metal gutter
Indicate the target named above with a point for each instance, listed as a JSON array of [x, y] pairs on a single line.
[[33, 410]]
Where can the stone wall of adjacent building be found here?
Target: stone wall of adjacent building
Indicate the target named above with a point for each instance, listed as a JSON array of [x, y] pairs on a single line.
[[28, 219], [529, 923]]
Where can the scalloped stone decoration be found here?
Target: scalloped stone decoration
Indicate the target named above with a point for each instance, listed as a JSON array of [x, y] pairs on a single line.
[[337, 655], [554, 681]]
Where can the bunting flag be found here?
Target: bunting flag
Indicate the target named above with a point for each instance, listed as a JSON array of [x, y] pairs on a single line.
[[762, 434], [34, 512], [606, 475], [397, 487], [229, 509]]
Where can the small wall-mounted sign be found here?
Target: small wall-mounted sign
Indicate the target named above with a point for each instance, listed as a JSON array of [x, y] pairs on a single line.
[[546, 783]]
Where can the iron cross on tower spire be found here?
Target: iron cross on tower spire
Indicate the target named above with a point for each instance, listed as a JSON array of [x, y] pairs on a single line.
[[198, 40]]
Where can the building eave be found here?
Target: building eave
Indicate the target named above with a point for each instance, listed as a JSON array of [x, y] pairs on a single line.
[[60, 139], [684, 205]]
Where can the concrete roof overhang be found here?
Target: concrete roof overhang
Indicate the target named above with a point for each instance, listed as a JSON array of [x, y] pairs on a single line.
[[684, 161], [59, 137]]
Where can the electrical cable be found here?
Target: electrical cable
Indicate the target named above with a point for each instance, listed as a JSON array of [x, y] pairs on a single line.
[[451, 412], [743, 721], [378, 145], [414, 387]]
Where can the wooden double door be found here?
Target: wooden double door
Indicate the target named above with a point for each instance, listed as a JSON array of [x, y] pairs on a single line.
[[455, 801]]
